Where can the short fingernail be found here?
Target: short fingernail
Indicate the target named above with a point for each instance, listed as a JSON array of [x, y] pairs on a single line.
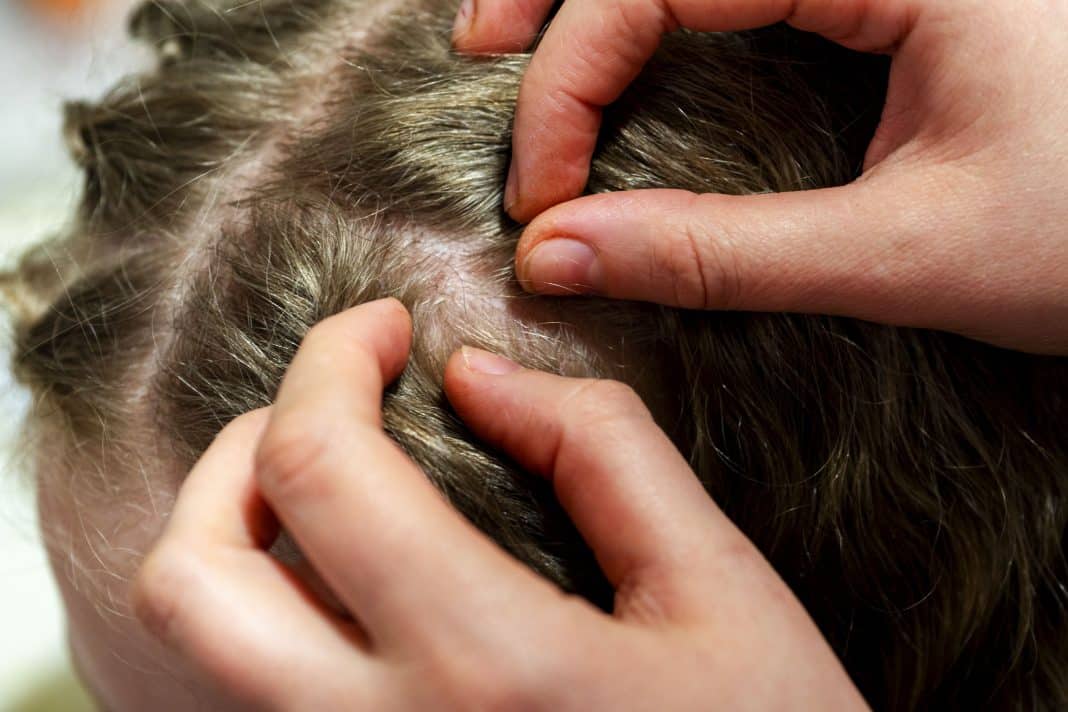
[[562, 266], [511, 188], [464, 18], [487, 363]]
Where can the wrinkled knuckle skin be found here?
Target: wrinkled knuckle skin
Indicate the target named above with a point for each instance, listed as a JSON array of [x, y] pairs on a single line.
[[287, 462], [704, 266], [679, 264]]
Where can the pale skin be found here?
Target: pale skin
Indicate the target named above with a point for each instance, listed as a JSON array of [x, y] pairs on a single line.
[[442, 618], [958, 222]]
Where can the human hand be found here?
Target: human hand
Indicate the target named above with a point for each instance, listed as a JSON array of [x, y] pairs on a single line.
[[958, 222], [441, 617]]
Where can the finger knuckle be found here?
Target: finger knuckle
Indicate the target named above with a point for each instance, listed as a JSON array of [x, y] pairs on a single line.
[[637, 19], [603, 396], [159, 592], [705, 272], [738, 554], [638, 597], [600, 412], [288, 459], [497, 683]]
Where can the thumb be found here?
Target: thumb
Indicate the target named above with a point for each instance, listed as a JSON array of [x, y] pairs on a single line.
[[850, 251]]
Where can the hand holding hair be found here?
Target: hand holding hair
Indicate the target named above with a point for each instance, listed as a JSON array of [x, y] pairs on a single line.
[[441, 618], [957, 222]]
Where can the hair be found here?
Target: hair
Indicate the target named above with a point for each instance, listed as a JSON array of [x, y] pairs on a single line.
[[283, 163]]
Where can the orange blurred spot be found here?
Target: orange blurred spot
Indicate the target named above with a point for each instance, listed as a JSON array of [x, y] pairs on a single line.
[[57, 9]]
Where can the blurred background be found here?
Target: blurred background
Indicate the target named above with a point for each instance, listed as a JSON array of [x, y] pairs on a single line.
[[50, 51]]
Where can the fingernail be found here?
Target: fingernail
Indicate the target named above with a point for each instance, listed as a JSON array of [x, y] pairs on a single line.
[[562, 266], [464, 18], [511, 188], [487, 363]]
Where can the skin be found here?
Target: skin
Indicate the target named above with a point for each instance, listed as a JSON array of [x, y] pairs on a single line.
[[439, 617], [956, 224]]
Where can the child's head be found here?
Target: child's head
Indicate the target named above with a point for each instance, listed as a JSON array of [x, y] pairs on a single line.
[[292, 158]]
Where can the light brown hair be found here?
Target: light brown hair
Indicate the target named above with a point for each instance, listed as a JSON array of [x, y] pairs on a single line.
[[910, 486]]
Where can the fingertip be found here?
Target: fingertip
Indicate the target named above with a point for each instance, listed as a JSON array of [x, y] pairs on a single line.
[[562, 266], [246, 426], [461, 28], [468, 372], [584, 217], [459, 380], [517, 207], [548, 181], [498, 26], [218, 502], [486, 363], [511, 193], [537, 231], [517, 203], [523, 206], [394, 305], [554, 255], [395, 335]]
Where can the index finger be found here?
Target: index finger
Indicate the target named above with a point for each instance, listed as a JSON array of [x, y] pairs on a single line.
[[404, 563], [594, 49], [493, 26], [219, 504]]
